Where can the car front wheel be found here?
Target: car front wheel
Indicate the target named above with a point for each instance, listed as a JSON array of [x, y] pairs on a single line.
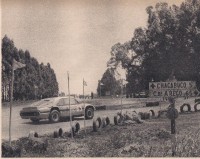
[[89, 113], [54, 116]]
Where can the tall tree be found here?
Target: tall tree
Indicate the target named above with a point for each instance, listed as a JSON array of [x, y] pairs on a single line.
[[33, 81], [170, 42], [110, 84]]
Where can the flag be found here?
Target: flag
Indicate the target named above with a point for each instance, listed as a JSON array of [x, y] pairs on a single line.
[[17, 65], [84, 83]]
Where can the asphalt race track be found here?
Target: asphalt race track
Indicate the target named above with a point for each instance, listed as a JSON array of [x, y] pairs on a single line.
[[22, 127]]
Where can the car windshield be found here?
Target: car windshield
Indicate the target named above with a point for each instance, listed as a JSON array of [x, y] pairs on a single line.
[[43, 101]]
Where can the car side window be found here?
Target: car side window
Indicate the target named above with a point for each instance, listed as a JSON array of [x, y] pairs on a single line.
[[61, 102], [72, 101], [66, 101]]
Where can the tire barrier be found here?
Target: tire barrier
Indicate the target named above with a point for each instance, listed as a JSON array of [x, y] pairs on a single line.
[[152, 114], [55, 134], [77, 127], [147, 115], [32, 134], [185, 105], [36, 134], [118, 119], [162, 113], [140, 114], [195, 107], [144, 116], [197, 100], [151, 104], [115, 120], [60, 132], [72, 132], [103, 122], [107, 121], [97, 124]]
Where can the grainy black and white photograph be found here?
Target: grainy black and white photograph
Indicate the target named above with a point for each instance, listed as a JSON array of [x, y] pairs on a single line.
[[100, 78]]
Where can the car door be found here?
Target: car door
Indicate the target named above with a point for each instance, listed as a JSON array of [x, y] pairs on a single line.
[[76, 108], [63, 106]]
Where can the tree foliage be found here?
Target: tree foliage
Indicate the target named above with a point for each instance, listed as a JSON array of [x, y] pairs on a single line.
[[168, 44], [109, 84], [33, 81]]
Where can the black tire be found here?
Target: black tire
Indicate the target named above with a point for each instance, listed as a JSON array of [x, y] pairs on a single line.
[[152, 113], [54, 116], [55, 134], [99, 122], [77, 127], [142, 115], [115, 120], [147, 115], [94, 126], [162, 113], [36, 135], [60, 132], [195, 107], [188, 106], [35, 120], [72, 132], [97, 126], [107, 121], [89, 113], [104, 122], [159, 114]]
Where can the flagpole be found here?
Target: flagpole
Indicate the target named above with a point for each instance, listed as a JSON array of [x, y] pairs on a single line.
[[121, 94], [84, 105], [11, 102], [100, 88], [70, 113]]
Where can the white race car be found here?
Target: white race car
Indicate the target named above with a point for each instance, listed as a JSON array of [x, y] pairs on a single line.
[[56, 108]]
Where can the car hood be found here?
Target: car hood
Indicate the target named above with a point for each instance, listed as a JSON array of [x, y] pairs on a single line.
[[35, 106]]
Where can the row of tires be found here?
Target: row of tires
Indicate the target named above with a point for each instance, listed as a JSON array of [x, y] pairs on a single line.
[[59, 133], [75, 129], [196, 109], [103, 122], [100, 123]]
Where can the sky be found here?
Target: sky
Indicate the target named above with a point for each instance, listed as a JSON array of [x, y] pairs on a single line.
[[73, 35]]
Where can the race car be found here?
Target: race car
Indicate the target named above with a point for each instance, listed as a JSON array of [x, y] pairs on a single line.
[[56, 108]]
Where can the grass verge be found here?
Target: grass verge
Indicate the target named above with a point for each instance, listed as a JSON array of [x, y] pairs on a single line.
[[150, 139]]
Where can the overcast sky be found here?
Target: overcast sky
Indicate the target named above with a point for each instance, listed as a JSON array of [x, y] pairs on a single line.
[[74, 36]]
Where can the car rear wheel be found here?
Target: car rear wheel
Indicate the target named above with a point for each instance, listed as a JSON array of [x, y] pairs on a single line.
[[89, 113], [54, 116]]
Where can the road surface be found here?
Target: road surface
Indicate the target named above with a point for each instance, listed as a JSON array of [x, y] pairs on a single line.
[[22, 127]]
